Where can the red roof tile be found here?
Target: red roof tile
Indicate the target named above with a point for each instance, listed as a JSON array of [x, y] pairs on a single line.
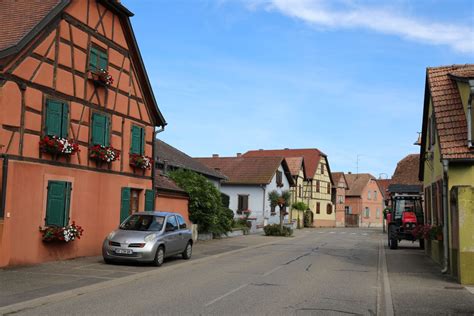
[[357, 183], [162, 182], [294, 164], [336, 177], [244, 170], [311, 156], [19, 17], [407, 171], [449, 113], [383, 185]]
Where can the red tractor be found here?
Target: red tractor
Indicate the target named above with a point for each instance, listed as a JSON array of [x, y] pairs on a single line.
[[403, 219]]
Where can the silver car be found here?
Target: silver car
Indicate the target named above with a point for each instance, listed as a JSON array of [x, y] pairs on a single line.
[[149, 237]]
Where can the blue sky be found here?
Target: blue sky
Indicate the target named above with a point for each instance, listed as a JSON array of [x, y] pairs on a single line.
[[344, 76]]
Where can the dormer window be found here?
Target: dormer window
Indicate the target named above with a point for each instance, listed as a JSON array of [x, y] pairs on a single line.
[[279, 178], [97, 59]]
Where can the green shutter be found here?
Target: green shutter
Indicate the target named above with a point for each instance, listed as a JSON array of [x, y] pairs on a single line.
[[100, 129], [58, 202], [136, 140], [149, 200], [65, 120], [142, 140], [102, 60], [93, 58], [54, 114], [125, 204]]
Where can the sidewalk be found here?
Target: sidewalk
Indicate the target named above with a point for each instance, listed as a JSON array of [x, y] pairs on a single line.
[[19, 284]]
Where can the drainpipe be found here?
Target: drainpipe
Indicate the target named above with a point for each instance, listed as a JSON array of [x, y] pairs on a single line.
[[4, 185], [469, 114], [445, 217], [153, 154], [264, 188]]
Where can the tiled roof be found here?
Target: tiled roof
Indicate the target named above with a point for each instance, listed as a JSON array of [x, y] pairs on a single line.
[[357, 183], [164, 183], [407, 171], [19, 17], [178, 159], [384, 184], [294, 164], [245, 170], [448, 109], [336, 177], [311, 156]]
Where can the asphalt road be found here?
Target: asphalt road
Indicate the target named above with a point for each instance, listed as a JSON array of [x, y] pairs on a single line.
[[319, 272]]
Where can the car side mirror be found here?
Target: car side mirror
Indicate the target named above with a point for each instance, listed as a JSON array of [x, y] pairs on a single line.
[[169, 229]]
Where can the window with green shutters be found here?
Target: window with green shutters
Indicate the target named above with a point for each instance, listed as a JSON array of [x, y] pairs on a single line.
[[125, 204], [57, 118], [97, 59], [58, 203], [149, 200], [137, 143], [100, 129]]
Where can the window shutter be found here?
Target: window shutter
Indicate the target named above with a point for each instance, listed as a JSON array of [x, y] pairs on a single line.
[[93, 58], [125, 204], [107, 131], [142, 141], [103, 60], [246, 202], [136, 138], [57, 205], [54, 115], [149, 200], [99, 129], [65, 120]]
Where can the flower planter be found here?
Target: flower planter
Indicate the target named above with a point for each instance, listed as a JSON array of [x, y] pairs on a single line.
[[102, 154], [101, 78], [56, 146], [61, 234], [140, 162]]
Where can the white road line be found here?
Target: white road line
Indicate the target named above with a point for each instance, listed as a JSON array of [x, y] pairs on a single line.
[[272, 270], [353, 233], [470, 289], [343, 233], [332, 232], [385, 307], [320, 232], [226, 294], [365, 234]]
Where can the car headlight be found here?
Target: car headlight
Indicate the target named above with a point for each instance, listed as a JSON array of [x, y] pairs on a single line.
[[111, 235], [150, 237]]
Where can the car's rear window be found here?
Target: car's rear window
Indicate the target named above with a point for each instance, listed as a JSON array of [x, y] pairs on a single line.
[[143, 223]]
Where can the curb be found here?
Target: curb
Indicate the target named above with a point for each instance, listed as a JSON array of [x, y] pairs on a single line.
[[53, 298]]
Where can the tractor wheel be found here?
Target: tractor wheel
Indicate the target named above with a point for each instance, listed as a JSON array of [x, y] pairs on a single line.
[[422, 244], [392, 238]]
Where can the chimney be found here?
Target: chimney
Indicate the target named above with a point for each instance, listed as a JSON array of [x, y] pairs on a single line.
[[260, 149], [239, 154], [287, 148], [165, 167], [349, 172], [215, 155], [217, 169]]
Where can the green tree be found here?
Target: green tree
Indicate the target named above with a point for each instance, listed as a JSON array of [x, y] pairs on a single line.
[[282, 200], [300, 207], [205, 202]]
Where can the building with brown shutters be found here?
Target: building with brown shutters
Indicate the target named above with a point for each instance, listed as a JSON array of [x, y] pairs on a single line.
[[364, 201], [74, 93], [249, 180], [317, 185], [447, 166]]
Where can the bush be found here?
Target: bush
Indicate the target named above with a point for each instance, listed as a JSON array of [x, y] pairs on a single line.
[[276, 230], [205, 202]]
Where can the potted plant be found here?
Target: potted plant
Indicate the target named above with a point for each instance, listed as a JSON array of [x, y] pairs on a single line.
[[140, 161], [102, 153], [102, 77], [64, 234], [58, 145]]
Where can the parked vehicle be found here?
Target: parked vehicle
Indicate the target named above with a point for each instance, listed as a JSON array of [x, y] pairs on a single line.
[[406, 214], [149, 237]]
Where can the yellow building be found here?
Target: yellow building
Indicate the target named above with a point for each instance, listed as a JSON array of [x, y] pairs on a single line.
[[316, 185], [447, 167]]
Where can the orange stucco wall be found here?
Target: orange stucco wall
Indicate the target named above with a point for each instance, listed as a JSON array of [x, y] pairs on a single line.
[[95, 205], [359, 204], [173, 204]]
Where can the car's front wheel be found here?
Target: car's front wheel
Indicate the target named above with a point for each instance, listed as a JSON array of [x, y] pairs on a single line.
[[159, 256], [392, 237], [108, 261], [188, 251]]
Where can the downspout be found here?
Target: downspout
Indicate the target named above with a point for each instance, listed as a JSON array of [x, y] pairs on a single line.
[[264, 188], [153, 154], [469, 114], [445, 217], [4, 185]]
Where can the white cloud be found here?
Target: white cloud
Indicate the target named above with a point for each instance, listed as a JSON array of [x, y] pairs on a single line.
[[348, 14]]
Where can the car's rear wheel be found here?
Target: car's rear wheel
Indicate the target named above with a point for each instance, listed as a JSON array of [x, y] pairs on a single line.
[[159, 256], [188, 251], [392, 238]]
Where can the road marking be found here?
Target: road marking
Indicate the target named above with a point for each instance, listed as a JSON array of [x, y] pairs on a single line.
[[470, 289], [271, 271], [365, 234], [332, 232], [225, 295], [320, 232], [384, 293], [343, 233], [353, 233]]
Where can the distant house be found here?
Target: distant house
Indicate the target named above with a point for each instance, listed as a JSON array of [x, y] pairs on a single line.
[[317, 185], [364, 200], [405, 178], [170, 197], [447, 166], [339, 197], [249, 180], [169, 158], [383, 185], [298, 172]]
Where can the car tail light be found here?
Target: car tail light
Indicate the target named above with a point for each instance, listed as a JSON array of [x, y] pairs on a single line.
[[138, 245], [114, 243]]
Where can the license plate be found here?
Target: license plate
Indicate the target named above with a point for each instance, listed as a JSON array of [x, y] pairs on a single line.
[[124, 251]]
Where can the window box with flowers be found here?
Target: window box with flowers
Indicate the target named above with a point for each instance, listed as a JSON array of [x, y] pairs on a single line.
[[140, 161], [429, 232], [101, 77], [61, 234], [101, 153], [55, 145]]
